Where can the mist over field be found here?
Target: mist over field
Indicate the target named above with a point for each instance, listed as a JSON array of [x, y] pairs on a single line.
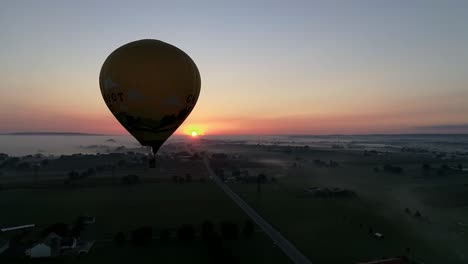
[[374, 196]]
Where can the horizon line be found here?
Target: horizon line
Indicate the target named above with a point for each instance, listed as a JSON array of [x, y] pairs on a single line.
[[72, 133]]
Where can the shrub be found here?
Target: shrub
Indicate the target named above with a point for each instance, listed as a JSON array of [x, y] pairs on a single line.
[[249, 228], [142, 236], [229, 230], [165, 235], [119, 239], [186, 233], [130, 179], [207, 230]]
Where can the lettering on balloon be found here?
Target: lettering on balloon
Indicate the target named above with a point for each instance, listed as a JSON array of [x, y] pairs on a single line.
[[111, 98]]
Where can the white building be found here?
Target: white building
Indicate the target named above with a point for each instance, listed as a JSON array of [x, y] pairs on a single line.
[[39, 250], [49, 247]]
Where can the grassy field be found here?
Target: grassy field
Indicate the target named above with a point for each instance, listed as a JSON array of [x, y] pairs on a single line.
[[336, 230], [123, 208]]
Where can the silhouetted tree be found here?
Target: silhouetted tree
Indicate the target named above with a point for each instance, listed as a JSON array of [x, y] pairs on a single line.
[[236, 173], [417, 214], [119, 239], [91, 171], [60, 229], [186, 233], [3, 156], [23, 166], [165, 235], [78, 227], [440, 172], [142, 236], [35, 172], [249, 228], [10, 162], [130, 179], [207, 230], [426, 166], [229, 230], [73, 175], [392, 169], [188, 177], [44, 162]]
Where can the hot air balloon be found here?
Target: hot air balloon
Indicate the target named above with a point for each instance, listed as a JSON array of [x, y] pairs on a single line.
[[151, 87]]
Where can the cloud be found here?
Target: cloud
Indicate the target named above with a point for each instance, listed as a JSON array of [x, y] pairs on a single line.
[[452, 128]]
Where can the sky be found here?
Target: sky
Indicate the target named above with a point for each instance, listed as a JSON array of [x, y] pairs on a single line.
[[267, 67]]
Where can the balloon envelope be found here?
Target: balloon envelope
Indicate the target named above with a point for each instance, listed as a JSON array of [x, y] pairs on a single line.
[[151, 87]]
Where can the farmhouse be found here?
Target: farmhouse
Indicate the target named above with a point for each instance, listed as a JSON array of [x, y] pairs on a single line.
[[48, 247]]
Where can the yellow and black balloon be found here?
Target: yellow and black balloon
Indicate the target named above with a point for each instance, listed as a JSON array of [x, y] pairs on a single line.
[[151, 87]]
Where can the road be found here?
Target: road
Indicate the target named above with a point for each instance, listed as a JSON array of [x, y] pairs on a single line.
[[288, 248]]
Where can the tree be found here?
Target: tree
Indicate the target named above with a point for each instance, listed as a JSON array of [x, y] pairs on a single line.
[[142, 236], [426, 166], [188, 177], [78, 227], [249, 228], [44, 162], [207, 229], [186, 233], [3, 156], [440, 172], [73, 175], [91, 171], [35, 172], [23, 166], [229, 230], [165, 235], [236, 173], [417, 214], [119, 239], [121, 163], [60, 229], [130, 179]]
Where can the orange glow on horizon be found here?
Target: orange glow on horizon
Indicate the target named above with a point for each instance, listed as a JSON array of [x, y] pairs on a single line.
[[191, 130]]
